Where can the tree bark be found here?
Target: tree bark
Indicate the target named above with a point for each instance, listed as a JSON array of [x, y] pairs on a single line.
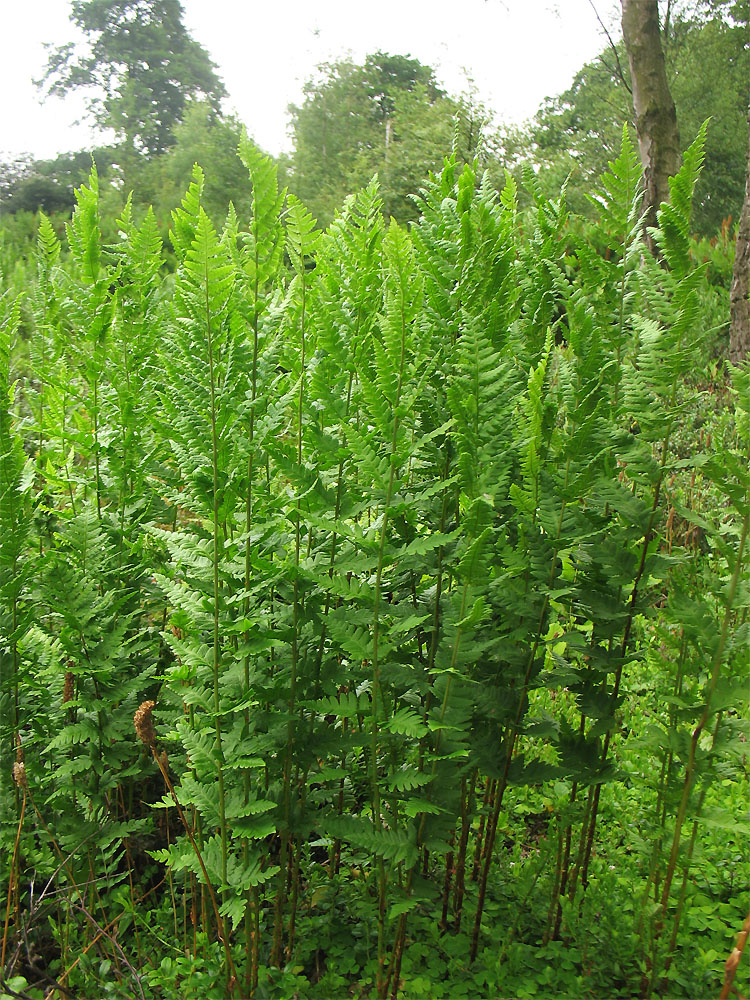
[[739, 304], [655, 114]]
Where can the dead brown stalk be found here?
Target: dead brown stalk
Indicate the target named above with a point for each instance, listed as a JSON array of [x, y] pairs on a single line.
[[144, 727], [730, 966]]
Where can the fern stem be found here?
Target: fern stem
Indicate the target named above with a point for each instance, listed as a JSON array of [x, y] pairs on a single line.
[[377, 819], [652, 880], [96, 448], [565, 868], [395, 963], [626, 641], [286, 858], [231, 971], [690, 766], [467, 802], [554, 901], [216, 591], [575, 871], [376, 815], [512, 734], [331, 561], [489, 798], [668, 958], [251, 943], [13, 879]]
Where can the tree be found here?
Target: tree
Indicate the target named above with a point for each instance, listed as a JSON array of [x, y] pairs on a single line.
[[141, 66], [387, 116], [718, 42], [655, 112], [205, 138], [12, 173], [579, 131], [27, 185], [739, 304]]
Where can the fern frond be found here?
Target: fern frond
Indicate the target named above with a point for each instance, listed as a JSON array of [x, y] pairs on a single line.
[[84, 231], [672, 235], [185, 217]]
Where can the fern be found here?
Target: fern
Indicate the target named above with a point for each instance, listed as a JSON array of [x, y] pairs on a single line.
[[16, 567], [382, 521]]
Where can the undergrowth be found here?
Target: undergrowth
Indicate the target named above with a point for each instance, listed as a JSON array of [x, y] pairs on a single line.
[[424, 577]]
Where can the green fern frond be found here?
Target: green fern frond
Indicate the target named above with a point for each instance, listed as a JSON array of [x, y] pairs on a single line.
[[302, 237], [672, 235], [84, 231], [617, 198], [185, 217]]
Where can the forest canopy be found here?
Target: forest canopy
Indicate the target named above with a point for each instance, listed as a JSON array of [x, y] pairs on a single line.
[[387, 115]]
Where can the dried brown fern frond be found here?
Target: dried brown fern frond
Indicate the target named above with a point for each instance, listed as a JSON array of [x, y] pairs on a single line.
[[68, 687], [144, 724]]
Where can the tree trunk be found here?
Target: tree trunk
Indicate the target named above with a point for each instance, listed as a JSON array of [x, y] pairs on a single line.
[[655, 115], [739, 304]]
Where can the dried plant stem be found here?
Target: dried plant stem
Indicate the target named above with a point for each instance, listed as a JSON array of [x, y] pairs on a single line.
[[102, 932], [89, 946], [13, 877], [79, 905], [730, 967], [231, 971]]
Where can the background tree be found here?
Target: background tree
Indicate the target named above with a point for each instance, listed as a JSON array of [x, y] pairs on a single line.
[[210, 140], [141, 66], [387, 116], [579, 131], [27, 185], [655, 112], [712, 34]]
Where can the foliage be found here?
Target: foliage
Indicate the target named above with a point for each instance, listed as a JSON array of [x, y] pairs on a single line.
[[210, 140], [28, 185], [141, 66], [406, 540], [579, 130], [387, 116]]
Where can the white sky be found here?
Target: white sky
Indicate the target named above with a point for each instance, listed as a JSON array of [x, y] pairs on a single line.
[[516, 52]]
